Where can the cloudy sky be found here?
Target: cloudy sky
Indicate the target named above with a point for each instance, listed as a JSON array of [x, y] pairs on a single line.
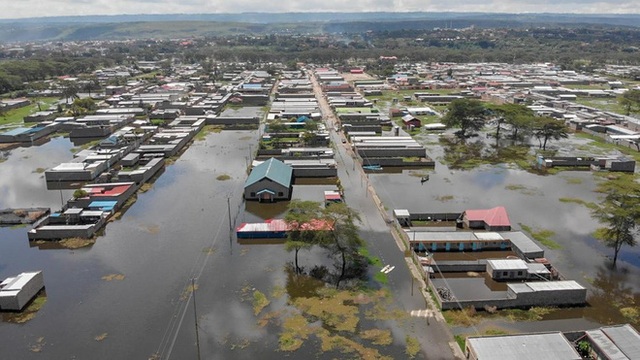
[[38, 8]]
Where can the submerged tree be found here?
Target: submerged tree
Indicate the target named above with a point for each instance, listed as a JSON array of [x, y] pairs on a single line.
[[468, 115], [300, 235], [619, 213], [547, 128], [343, 241], [518, 117]]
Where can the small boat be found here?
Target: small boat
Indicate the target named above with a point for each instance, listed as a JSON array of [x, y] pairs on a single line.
[[372, 167]]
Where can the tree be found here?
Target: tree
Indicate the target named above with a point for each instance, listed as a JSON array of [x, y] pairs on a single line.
[[300, 236], [468, 115], [547, 128], [343, 241], [630, 100], [91, 85], [619, 213], [518, 117], [69, 91], [83, 106]]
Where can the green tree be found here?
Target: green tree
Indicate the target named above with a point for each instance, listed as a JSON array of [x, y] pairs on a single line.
[[547, 128], [83, 106], [300, 235], [343, 241], [468, 115], [69, 91], [619, 213], [630, 101], [517, 117]]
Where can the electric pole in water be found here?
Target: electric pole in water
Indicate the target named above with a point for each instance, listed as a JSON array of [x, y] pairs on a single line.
[[195, 314]]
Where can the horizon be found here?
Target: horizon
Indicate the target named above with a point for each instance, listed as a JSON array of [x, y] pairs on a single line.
[[33, 9]]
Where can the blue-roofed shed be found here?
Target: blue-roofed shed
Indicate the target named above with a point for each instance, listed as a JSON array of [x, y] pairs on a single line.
[[270, 181]]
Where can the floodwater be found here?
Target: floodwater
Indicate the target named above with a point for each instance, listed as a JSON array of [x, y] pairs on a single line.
[[177, 231], [531, 200]]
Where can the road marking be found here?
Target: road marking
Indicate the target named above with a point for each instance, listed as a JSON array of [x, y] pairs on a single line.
[[390, 269], [384, 269], [425, 313]]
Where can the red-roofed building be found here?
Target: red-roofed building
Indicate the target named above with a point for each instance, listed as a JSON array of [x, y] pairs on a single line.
[[119, 192], [495, 219]]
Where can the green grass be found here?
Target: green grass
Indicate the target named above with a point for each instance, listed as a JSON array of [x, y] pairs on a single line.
[[16, 116], [461, 340], [412, 348], [543, 236], [590, 205], [606, 104], [381, 277], [372, 260], [260, 301]]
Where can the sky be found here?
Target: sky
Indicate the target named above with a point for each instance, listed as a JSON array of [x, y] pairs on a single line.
[[40, 8]]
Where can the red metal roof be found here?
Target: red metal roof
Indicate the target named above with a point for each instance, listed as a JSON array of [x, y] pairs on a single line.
[[104, 191], [277, 225], [492, 217]]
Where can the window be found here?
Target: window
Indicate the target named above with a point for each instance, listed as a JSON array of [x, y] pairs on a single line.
[[253, 194], [280, 193], [505, 273], [519, 273]]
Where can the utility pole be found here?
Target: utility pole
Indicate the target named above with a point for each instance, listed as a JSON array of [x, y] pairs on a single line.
[[229, 211], [195, 314]]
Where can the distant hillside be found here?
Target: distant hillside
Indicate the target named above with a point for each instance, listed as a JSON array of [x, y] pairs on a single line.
[[185, 25]]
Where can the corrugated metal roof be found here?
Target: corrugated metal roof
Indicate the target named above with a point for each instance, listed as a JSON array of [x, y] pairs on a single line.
[[524, 347], [554, 285], [272, 169], [507, 264], [626, 338], [605, 345], [522, 242], [441, 236], [488, 236], [20, 281]]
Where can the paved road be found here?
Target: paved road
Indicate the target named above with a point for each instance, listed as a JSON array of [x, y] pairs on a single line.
[[435, 336]]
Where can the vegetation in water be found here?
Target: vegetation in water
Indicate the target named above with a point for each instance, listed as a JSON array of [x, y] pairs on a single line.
[[543, 236]]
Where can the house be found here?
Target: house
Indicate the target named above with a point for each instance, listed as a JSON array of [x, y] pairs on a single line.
[[507, 269], [16, 292], [495, 219], [411, 121], [269, 181]]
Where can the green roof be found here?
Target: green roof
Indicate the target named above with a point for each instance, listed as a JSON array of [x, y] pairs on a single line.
[[272, 169]]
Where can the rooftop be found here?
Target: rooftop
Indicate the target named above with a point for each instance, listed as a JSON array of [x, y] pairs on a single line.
[[524, 347], [272, 169], [492, 217]]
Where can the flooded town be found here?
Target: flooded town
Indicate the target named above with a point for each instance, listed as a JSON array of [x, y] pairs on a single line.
[[175, 209]]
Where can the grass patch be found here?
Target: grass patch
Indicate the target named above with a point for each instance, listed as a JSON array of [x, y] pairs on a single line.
[[101, 337], [223, 177], [16, 116], [381, 277], [295, 331], [332, 308], [543, 236], [590, 205], [461, 340], [146, 187], [609, 147], [206, 130], [533, 314], [412, 347], [523, 189], [29, 312], [39, 170], [444, 198], [372, 260], [466, 317], [574, 181], [112, 277], [76, 243], [631, 313], [378, 336], [260, 301]]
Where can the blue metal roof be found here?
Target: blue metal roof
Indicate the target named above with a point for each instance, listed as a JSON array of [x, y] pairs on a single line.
[[16, 131], [103, 205], [272, 169]]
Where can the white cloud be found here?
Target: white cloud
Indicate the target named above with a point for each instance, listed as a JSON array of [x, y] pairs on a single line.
[[37, 8]]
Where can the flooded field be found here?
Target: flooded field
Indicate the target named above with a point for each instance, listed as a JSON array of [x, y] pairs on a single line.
[[553, 203]]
